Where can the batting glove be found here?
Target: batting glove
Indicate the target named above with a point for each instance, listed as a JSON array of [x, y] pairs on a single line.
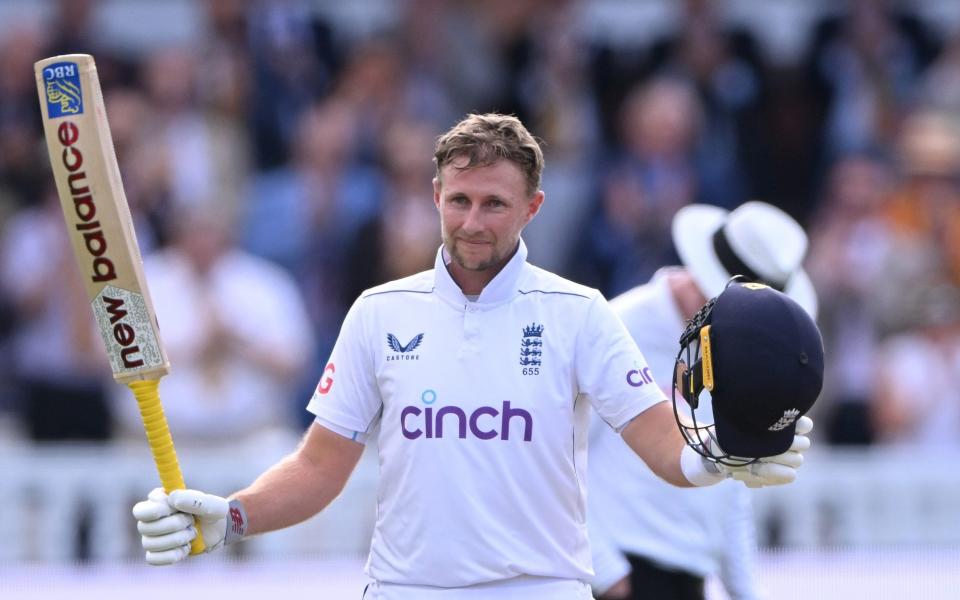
[[770, 470], [774, 470], [167, 523]]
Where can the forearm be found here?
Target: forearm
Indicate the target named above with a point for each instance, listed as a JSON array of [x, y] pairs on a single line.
[[654, 436], [286, 494], [300, 485]]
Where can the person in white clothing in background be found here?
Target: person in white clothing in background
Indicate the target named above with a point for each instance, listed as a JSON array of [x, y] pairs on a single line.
[[477, 378], [655, 541], [237, 332]]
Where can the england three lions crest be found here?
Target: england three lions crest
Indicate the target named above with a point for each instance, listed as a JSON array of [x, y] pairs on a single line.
[[531, 349]]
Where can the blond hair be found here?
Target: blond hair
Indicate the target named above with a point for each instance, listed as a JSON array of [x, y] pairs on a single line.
[[488, 138]]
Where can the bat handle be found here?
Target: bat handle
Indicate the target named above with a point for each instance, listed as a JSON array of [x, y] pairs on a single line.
[[161, 443]]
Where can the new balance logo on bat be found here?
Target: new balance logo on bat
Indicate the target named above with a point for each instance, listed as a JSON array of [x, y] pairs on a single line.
[[94, 241], [123, 333]]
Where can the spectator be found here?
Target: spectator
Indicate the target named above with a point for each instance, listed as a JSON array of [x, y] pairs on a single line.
[[226, 63], [294, 62], [24, 177], [850, 243], [58, 363], [654, 175], [866, 64], [723, 64], [402, 238], [432, 69], [235, 329], [198, 153], [923, 213], [940, 85], [305, 216], [555, 92], [917, 376]]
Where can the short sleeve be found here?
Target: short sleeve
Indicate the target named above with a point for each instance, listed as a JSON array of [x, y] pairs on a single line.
[[347, 394], [611, 371]]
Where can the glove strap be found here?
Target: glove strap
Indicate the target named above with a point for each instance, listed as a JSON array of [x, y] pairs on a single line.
[[236, 522], [698, 470]]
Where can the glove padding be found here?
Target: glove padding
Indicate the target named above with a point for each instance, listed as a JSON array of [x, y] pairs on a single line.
[[774, 470], [167, 523]]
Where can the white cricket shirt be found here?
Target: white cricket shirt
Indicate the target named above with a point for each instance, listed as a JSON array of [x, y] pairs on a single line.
[[705, 531], [483, 410]]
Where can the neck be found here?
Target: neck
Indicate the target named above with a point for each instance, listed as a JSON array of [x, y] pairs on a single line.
[[472, 282]]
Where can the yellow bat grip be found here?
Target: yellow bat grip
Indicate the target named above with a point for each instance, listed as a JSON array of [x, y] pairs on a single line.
[[161, 442]]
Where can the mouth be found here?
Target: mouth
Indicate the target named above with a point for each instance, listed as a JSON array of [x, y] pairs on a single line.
[[474, 243]]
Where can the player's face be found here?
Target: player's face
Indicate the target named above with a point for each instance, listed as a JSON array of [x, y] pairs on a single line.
[[482, 212]]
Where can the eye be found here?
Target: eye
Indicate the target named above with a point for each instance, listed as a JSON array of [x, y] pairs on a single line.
[[496, 203], [458, 200]]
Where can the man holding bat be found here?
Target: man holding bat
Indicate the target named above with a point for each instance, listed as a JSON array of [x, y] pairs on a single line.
[[478, 377]]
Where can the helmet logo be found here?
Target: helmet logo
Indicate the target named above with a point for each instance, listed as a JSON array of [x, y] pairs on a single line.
[[707, 355], [789, 416]]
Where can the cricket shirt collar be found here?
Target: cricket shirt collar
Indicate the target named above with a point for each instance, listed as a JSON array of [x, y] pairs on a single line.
[[501, 288]]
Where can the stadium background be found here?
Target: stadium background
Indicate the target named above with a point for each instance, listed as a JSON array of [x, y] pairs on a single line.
[[303, 130]]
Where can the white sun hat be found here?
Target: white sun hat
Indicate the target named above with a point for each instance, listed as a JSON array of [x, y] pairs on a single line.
[[756, 240]]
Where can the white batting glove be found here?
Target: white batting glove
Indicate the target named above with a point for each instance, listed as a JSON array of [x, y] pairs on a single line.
[[774, 470], [167, 523]]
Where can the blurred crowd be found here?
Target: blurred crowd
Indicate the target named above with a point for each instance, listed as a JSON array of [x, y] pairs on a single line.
[[276, 167]]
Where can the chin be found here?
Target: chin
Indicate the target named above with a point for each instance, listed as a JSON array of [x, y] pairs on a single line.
[[474, 263]]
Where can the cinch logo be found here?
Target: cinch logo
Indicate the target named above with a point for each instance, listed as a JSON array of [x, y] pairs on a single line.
[[485, 423], [403, 350], [637, 378]]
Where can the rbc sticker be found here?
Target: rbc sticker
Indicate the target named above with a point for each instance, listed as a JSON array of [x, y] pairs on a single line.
[[62, 84]]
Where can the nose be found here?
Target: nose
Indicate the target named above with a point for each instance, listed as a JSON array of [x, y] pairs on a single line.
[[473, 221]]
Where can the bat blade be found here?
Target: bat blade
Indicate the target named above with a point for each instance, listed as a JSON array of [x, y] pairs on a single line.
[[97, 215], [105, 244]]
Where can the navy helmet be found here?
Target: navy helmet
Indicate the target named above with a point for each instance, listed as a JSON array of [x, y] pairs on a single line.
[[759, 355]]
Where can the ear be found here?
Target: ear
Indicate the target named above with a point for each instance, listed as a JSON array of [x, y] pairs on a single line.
[[436, 192], [534, 207]]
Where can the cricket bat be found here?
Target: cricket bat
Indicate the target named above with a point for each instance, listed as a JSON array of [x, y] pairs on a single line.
[[104, 242]]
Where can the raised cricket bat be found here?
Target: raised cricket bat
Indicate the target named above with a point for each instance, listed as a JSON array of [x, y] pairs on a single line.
[[104, 242]]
